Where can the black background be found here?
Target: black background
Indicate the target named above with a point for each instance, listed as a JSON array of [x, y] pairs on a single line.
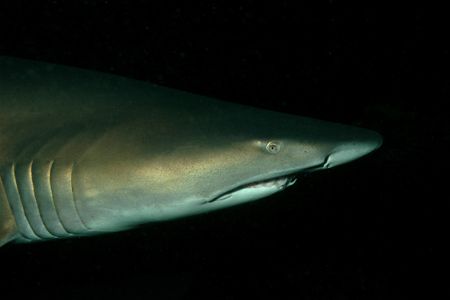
[[370, 229]]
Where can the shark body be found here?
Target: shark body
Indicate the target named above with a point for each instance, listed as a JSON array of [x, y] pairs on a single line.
[[83, 152]]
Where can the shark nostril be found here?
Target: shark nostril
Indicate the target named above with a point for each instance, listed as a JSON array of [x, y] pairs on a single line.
[[326, 163]]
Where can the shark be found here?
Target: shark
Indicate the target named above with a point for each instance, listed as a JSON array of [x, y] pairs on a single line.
[[84, 152]]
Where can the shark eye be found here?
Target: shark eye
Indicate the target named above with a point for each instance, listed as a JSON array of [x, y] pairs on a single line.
[[273, 147]]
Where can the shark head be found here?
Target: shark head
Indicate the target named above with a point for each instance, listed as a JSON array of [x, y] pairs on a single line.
[[277, 161], [204, 157]]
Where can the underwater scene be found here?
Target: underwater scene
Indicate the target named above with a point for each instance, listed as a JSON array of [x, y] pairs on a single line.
[[156, 150]]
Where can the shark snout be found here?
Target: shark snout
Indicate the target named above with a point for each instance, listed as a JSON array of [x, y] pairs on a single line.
[[356, 147]]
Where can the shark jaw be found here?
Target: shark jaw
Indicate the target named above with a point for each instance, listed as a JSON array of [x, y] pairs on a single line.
[[256, 190]]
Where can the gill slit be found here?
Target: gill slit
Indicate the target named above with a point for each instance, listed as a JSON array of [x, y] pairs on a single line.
[[13, 211], [52, 198], [39, 208], [13, 170], [74, 199]]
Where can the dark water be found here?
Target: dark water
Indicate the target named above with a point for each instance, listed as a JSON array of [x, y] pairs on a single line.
[[370, 229]]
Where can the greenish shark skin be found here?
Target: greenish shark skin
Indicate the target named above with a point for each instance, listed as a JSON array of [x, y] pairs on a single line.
[[83, 152]]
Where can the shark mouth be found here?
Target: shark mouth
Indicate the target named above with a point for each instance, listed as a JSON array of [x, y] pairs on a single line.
[[256, 190]]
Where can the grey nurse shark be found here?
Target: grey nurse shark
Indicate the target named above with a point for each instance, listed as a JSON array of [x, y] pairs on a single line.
[[83, 153]]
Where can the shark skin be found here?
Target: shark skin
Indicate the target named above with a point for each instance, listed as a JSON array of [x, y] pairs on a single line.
[[82, 152]]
